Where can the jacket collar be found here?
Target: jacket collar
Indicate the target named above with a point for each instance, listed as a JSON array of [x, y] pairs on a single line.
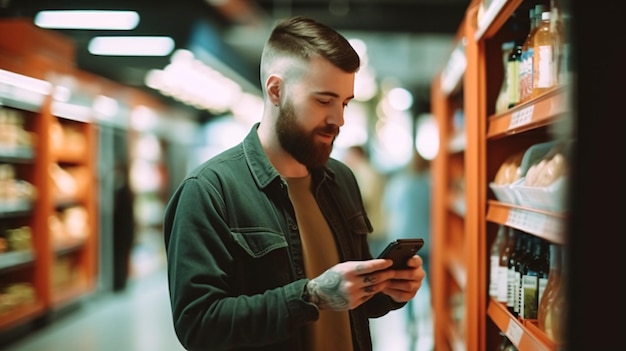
[[262, 170]]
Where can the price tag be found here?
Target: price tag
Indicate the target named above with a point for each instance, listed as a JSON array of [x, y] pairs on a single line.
[[514, 332], [521, 117], [527, 221]]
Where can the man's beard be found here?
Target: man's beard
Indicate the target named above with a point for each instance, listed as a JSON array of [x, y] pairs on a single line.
[[301, 143]]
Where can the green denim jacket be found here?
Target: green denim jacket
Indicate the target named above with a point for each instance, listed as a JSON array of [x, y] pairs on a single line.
[[234, 256]]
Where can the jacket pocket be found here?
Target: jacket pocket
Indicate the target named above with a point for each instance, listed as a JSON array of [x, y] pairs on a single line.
[[258, 242], [263, 261]]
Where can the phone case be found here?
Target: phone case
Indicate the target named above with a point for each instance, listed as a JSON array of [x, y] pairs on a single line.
[[400, 250]]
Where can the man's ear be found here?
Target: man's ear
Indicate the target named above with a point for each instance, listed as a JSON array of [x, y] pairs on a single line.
[[273, 86]]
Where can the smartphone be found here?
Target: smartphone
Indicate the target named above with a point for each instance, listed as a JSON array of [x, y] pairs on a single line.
[[400, 250]]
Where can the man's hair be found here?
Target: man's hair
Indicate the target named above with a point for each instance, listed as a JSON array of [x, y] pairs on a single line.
[[304, 38]]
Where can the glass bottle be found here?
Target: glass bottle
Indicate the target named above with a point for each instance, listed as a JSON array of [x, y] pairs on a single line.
[[502, 102], [503, 266], [554, 280], [512, 74], [520, 261], [535, 269], [557, 312], [544, 67], [526, 65], [511, 275], [494, 261]]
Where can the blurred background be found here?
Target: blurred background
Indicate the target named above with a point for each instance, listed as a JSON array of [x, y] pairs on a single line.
[[194, 92]]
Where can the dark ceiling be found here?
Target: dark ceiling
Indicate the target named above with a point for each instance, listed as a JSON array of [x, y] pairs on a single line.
[[184, 19]]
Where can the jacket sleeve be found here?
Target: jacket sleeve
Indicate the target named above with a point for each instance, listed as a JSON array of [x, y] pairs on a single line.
[[208, 312]]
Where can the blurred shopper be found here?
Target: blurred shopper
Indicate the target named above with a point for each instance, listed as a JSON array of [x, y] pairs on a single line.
[[267, 242], [407, 207], [123, 226], [372, 184]]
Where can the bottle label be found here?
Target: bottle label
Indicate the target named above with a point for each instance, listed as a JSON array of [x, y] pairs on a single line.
[[510, 289], [503, 278], [528, 297], [493, 275], [545, 66], [512, 77], [517, 291]]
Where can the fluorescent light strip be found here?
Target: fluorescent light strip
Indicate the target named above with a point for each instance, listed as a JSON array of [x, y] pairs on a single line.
[[131, 46], [87, 19]]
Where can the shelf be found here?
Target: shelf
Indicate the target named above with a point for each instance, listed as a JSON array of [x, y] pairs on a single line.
[[523, 337], [494, 17], [456, 268], [547, 225], [21, 313], [20, 154], [542, 111], [457, 342], [15, 208], [16, 258], [68, 247], [22, 92], [66, 294]]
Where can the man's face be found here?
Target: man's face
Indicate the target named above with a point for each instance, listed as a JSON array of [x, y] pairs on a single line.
[[312, 112], [300, 142]]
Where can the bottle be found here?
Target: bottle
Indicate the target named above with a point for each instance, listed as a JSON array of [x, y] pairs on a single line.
[[544, 67], [503, 266], [554, 280], [526, 65], [557, 312], [502, 102], [557, 28], [520, 261], [494, 261], [511, 276], [534, 275], [512, 74]]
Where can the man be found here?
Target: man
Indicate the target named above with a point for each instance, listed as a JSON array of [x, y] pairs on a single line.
[[267, 242]]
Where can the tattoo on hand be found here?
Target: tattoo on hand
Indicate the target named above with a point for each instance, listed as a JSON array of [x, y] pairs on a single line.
[[327, 290], [369, 279]]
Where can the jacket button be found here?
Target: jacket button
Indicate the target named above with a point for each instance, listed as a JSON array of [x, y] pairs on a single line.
[[294, 227]]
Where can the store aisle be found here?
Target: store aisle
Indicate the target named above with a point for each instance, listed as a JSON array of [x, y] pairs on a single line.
[[139, 319]]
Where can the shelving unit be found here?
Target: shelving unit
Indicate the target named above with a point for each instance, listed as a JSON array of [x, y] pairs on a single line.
[[466, 217], [55, 263]]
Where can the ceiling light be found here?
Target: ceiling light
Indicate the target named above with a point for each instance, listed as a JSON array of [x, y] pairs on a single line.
[[84, 19], [131, 46]]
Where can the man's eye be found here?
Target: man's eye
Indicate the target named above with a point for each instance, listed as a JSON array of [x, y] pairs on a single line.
[[324, 102]]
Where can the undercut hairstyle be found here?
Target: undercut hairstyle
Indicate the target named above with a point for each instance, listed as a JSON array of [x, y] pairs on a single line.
[[304, 38]]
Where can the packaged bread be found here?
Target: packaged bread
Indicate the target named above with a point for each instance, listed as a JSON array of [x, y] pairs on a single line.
[[547, 169], [509, 171]]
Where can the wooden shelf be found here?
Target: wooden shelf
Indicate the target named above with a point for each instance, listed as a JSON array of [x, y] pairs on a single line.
[[16, 258], [21, 313], [546, 225], [523, 334], [462, 227], [28, 89], [542, 111]]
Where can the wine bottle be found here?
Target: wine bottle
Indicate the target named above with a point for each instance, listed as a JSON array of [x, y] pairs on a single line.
[[535, 268], [494, 261], [554, 280]]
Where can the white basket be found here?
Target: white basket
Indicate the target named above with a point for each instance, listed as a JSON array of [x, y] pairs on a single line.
[[504, 193], [549, 198]]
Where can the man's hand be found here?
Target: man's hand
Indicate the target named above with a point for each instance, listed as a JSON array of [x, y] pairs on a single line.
[[406, 282], [347, 285]]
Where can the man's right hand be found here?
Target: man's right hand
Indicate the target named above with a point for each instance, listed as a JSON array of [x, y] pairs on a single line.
[[347, 285]]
